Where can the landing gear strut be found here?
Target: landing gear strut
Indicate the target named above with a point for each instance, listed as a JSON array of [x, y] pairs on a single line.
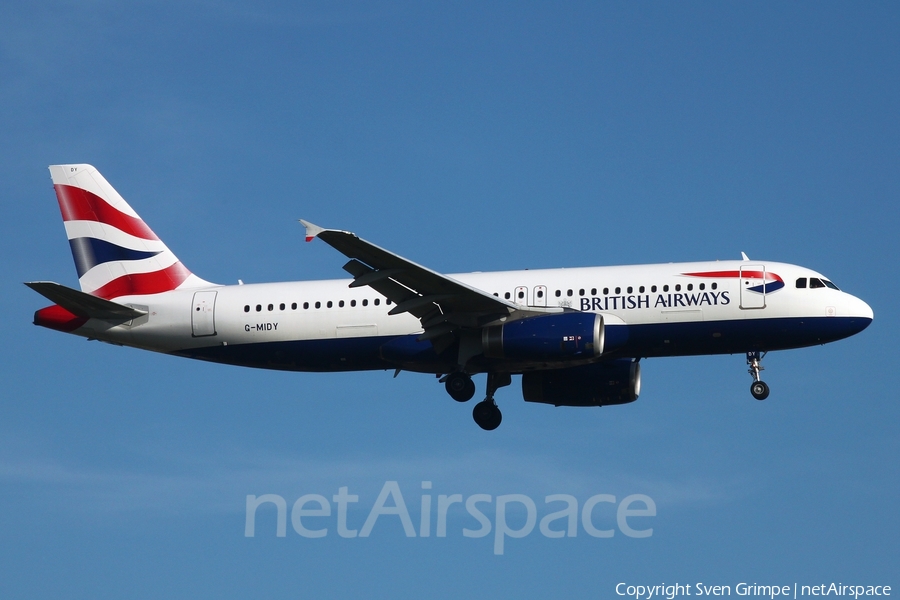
[[460, 386], [758, 388], [486, 413]]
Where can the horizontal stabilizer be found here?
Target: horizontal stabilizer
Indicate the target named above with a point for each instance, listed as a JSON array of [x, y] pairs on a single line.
[[82, 304]]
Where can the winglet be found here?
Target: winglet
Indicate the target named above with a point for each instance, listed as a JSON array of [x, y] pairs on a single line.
[[311, 230]]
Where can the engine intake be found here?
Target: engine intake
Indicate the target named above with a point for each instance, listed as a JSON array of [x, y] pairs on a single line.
[[559, 337], [598, 384]]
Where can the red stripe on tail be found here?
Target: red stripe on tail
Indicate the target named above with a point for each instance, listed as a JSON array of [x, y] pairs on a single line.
[[77, 204], [141, 284]]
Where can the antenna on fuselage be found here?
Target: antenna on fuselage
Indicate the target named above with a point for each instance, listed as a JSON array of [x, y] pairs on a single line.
[[744, 256]]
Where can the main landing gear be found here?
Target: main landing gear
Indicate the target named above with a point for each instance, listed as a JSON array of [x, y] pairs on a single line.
[[758, 388], [461, 388], [486, 413]]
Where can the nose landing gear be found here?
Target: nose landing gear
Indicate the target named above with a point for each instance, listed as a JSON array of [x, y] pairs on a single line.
[[758, 388]]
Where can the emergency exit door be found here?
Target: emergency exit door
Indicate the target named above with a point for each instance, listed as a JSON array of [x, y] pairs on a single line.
[[521, 295]]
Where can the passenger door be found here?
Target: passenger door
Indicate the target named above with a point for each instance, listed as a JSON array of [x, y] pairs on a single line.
[[203, 314], [753, 286]]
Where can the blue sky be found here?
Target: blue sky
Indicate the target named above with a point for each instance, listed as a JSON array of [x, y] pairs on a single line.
[[465, 137]]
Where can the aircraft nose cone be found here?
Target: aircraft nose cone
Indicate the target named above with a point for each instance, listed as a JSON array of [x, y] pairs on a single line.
[[861, 314], [867, 312]]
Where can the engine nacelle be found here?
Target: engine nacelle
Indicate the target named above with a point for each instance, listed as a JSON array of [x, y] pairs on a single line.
[[598, 384], [549, 338]]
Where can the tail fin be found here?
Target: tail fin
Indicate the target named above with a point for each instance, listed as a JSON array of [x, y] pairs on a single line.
[[116, 253]]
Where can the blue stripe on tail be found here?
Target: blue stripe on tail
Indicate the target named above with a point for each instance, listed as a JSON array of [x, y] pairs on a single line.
[[89, 252]]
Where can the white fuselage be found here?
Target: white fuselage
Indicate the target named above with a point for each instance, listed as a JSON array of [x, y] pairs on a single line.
[[673, 298]]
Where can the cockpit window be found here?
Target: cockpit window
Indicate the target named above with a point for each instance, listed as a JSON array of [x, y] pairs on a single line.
[[815, 282], [829, 284], [801, 283]]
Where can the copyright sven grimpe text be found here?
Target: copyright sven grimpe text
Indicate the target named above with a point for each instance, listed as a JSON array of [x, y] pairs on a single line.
[[793, 590]]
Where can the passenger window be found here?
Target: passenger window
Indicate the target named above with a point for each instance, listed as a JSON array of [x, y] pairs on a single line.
[[714, 286], [540, 294], [365, 303], [377, 301], [353, 303], [293, 306], [341, 304], [259, 308], [318, 304], [521, 295], [281, 306], [388, 302], [801, 283], [271, 307], [653, 288], [558, 293], [815, 283], [630, 289], [618, 290], [666, 288], [305, 305], [606, 291], [593, 291], [641, 290], [330, 304], [677, 287], [506, 295], [690, 286], [702, 286], [581, 292], [246, 308]]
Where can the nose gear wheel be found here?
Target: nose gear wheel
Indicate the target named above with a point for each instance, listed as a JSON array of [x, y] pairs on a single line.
[[759, 389]]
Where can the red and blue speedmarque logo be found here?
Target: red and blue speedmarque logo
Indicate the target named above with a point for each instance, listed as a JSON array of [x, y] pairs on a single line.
[[761, 282]]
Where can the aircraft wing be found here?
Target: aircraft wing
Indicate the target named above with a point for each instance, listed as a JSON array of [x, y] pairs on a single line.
[[441, 303]]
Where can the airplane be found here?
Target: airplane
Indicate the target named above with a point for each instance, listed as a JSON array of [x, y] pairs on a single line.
[[575, 335]]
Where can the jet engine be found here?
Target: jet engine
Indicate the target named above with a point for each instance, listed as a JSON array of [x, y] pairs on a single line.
[[548, 338], [597, 384]]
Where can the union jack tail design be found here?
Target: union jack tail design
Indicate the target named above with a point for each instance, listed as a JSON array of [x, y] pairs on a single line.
[[116, 254]]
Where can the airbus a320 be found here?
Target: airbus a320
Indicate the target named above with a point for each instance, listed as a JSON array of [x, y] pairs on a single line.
[[576, 336]]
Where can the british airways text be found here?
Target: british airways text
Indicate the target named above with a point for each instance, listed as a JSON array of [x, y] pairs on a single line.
[[672, 300]]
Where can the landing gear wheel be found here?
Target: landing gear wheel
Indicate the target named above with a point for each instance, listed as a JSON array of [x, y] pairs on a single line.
[[487, 415], [460, 386], [760, 390]]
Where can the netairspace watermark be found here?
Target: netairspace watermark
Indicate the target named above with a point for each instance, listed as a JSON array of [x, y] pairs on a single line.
[[793, 590], [311, 515]]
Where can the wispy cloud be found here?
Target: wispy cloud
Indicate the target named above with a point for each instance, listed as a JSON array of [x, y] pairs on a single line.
[[219, 483]]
